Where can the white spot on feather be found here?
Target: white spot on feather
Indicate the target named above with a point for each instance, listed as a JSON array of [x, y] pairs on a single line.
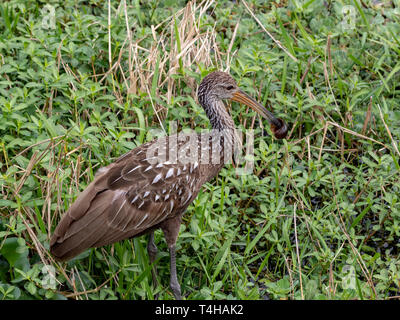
[[169, 173], [123, 203], [120, 177], [133, 169], [135, 198], [141, 221], [187, 199], [157, 178]]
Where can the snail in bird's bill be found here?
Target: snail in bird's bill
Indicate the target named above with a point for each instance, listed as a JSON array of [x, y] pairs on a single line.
[[281, 131]]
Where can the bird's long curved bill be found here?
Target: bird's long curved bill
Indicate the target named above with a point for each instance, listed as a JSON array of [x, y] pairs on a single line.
[[242, 97]]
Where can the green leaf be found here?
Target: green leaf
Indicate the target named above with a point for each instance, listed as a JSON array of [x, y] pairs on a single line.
[[221, 257], [16, 253]]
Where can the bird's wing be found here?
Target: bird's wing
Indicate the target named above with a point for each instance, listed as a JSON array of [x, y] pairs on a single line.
[[126, 198]]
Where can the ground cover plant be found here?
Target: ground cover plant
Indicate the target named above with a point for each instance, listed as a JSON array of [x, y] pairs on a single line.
[[82, 82]]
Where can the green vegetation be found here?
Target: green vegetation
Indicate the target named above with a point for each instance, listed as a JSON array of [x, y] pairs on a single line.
[[318, 219]]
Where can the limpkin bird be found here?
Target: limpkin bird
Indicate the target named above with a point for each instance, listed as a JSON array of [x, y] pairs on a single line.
[[144, 190]]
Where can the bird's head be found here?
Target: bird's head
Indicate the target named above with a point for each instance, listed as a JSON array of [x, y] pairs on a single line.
[[220, 85]]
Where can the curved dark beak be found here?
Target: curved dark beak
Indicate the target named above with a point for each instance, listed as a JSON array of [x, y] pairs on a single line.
[[275, 123]]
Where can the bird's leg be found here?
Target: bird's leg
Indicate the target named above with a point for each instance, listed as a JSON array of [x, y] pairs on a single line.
[[174, 284], [170, 228], [152, 251]]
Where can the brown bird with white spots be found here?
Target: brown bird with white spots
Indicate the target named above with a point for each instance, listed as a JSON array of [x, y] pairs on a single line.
[[151, 186]]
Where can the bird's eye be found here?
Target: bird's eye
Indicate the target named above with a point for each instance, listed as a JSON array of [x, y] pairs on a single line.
[[229, 87]]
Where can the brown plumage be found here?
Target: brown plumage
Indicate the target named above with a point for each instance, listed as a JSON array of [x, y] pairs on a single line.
[[151, 186]]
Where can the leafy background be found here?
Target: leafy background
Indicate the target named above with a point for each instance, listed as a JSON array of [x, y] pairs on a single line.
[[318, 219]]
